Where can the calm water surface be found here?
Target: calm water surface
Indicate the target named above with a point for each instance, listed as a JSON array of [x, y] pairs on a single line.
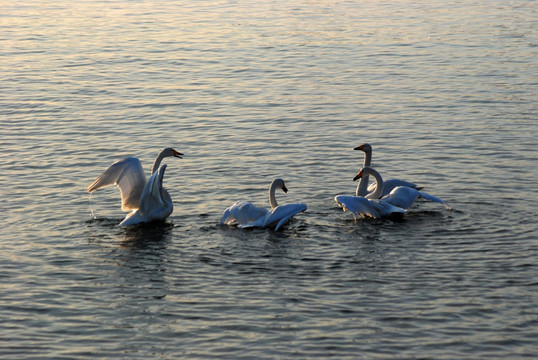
[[446, 93]]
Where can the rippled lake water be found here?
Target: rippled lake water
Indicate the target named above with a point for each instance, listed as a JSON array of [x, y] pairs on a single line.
[[445, 92]]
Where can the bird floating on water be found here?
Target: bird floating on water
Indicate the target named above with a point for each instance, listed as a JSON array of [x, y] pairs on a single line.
[[394, 204], [362, 187], [146, 199], [247, 215]]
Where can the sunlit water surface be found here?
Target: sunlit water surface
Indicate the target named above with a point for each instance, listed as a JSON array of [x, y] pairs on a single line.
[[248, 91]]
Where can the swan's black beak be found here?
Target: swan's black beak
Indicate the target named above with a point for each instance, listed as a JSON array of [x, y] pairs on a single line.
[[284, 188], [177, 154], [358, 176]]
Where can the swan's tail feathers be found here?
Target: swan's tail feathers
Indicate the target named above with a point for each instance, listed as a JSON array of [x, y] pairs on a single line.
[[429, 197]]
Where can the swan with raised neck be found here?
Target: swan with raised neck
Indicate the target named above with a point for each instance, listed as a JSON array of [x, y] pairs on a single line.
[[166, 152], [277, 183], [378, 191], [362, 186]]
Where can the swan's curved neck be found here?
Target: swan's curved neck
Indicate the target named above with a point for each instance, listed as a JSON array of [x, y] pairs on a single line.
[[272, 198], [158, 161], [362, 186], [378, 191]]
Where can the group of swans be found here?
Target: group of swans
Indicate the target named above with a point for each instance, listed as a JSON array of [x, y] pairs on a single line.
[[376, 205], [148, 201], [389, 198]]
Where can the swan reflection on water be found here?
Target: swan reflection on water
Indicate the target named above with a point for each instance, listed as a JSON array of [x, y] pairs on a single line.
[[147, 235], [135, 236]]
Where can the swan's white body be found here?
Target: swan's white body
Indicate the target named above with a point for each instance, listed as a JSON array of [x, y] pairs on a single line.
[[363, 207], [388, 185], [394, 204], [246, 215], [404, 197], [147, 200]]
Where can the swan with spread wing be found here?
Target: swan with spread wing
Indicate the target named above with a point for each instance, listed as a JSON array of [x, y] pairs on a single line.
[[146, 199], [364, 190], [393, 204], [247, 215]]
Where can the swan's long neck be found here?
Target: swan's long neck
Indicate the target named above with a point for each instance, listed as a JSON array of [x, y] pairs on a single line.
[[376, 194], [272, 198], [157, 162], [362, 186]]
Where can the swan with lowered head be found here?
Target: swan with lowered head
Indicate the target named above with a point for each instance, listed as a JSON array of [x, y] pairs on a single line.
[[147, 199], [246, 215], [364, 190], [395, 203]]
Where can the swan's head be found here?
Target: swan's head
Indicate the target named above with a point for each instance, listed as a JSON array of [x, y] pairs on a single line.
[[364, 171], [171, 152], [279, 183], [367, 148], [358, 176]]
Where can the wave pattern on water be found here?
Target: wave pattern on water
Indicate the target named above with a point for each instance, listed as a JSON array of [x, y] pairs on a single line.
[[250, 91]]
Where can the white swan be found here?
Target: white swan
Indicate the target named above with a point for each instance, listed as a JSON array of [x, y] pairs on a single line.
[[148, 200], [363, 207], [364, 190], [395, 203], [246, 215]]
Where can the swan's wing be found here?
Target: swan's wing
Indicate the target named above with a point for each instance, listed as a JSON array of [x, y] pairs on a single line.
[[242, 212], [386, 209], [129, 176], [433, 198], [152, 200], [401, 196], [293, 210], [389, 185], [256, 223], [281, 214], [358, 205]]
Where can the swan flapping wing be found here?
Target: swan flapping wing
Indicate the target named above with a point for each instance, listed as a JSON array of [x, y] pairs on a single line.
[[155, 202], [129, 176]]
